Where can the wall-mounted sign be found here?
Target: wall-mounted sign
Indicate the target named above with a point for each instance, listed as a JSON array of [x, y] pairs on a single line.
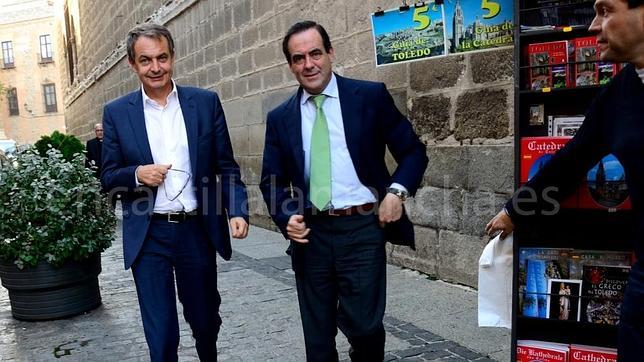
[[429, 30]]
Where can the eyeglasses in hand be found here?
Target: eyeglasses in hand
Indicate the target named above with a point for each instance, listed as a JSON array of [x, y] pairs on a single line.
[[176, 176]]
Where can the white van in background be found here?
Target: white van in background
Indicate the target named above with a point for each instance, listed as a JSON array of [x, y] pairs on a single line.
[[8, 146]]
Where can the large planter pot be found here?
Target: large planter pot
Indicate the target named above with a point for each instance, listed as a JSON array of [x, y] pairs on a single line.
[[45, 292]]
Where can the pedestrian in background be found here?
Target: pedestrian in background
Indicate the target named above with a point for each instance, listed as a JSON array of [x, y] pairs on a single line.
[[94, 150], [168, 148], [328, 189]]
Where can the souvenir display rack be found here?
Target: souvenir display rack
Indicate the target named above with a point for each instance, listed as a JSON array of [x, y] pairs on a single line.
[[543, 28]]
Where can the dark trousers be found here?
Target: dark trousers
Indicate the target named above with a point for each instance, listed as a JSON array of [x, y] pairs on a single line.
[[341, 282], [180, 251], [631, 321]]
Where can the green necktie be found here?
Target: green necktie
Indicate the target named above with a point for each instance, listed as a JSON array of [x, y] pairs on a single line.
[[320, 180]]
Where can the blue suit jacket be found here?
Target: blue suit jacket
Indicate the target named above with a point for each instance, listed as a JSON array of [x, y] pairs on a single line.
[[371, 122], [215, 173]]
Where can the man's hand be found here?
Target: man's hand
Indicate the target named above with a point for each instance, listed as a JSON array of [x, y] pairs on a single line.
[[390, 209], [152, 175], [500, 223], [239, 227], [296, 229]]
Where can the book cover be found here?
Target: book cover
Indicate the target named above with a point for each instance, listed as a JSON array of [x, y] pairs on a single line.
[[583, 353], [563, 299], [558, 56], [539, 62], [564, 126], [606, 72], [536, 266], [602, 293], [540, 351], [535, 153], [579, 258], [586, 61], [537, 116], [605, 186]]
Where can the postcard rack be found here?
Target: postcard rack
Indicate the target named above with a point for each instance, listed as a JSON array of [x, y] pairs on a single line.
[[560, 258]]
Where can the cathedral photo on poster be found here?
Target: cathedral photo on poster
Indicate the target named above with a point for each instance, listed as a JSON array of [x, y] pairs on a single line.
[[475, 25]]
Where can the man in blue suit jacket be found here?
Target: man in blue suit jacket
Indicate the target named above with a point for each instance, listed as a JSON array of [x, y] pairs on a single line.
[[328, 189], [168, 150]]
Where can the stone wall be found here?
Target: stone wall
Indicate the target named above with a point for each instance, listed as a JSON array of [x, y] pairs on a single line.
[[461, 105]]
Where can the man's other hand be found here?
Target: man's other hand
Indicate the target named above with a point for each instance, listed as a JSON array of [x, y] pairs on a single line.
[[296, 229], [238, 227], [500, 223], [152, 175], [390, 209]]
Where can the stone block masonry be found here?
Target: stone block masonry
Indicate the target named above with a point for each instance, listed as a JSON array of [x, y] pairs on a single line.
[[461, 105]]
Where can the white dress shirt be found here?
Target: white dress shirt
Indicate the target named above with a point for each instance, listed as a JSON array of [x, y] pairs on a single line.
[[169, 145], [346, 188]]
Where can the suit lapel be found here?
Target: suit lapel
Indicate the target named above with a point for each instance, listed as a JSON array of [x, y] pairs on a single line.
[[189, 111], [137, 121], [294, 125], [351, 105]]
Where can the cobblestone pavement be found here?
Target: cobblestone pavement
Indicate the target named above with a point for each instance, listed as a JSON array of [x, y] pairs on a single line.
[[426, 320]]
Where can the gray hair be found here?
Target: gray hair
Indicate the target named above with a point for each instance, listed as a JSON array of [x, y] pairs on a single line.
[[148, 30], [98, 125]]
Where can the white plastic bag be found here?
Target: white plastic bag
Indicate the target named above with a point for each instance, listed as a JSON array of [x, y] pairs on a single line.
[[495, 284]]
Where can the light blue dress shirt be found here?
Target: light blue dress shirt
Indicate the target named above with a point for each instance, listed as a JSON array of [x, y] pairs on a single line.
[[346, 188]]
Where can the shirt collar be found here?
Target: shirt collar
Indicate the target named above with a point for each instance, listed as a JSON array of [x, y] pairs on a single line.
[[640, 73], [148, 100], [331, 90]]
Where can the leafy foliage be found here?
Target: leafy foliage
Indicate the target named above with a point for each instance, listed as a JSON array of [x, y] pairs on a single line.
[[69, 145], [52, 210]]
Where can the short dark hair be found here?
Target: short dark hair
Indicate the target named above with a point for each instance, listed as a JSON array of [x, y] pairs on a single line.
[[634, 3], [148, 30], [304, 26]]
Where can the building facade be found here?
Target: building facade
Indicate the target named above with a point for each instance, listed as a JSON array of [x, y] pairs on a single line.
[[31, 101], [461, 105]]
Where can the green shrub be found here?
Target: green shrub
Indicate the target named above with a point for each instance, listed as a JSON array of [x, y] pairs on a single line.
[[68, 145], [52, 209]]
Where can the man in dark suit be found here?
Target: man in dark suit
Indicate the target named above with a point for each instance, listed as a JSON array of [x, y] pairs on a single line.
[[94, 152], [167, 148], [328, 189]]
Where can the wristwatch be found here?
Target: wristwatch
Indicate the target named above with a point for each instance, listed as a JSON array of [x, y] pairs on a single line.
[[402, 195]]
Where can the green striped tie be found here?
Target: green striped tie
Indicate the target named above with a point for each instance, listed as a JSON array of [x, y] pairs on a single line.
[[320, 180]]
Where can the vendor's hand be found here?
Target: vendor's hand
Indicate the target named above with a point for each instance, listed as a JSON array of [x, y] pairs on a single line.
[[500, 223], [390, 209], [152, 175], [238, 227], [296, 229]]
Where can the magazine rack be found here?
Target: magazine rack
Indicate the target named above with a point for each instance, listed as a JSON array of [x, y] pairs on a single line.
[[551, 109]]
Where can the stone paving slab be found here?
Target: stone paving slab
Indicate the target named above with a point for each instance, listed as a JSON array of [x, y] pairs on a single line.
[[260, 317]]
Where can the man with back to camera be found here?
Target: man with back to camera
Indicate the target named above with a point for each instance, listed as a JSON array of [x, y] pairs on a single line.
[[326, 202], [168, 148], [94, 150], [614, 124]]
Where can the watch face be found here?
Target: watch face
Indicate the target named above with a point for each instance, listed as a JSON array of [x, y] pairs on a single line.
[[400, 193]]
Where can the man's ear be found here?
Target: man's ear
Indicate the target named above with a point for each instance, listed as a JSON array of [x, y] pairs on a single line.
[[331, 54]]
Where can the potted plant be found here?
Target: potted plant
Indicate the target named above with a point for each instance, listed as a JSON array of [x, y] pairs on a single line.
[[55, 223]]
